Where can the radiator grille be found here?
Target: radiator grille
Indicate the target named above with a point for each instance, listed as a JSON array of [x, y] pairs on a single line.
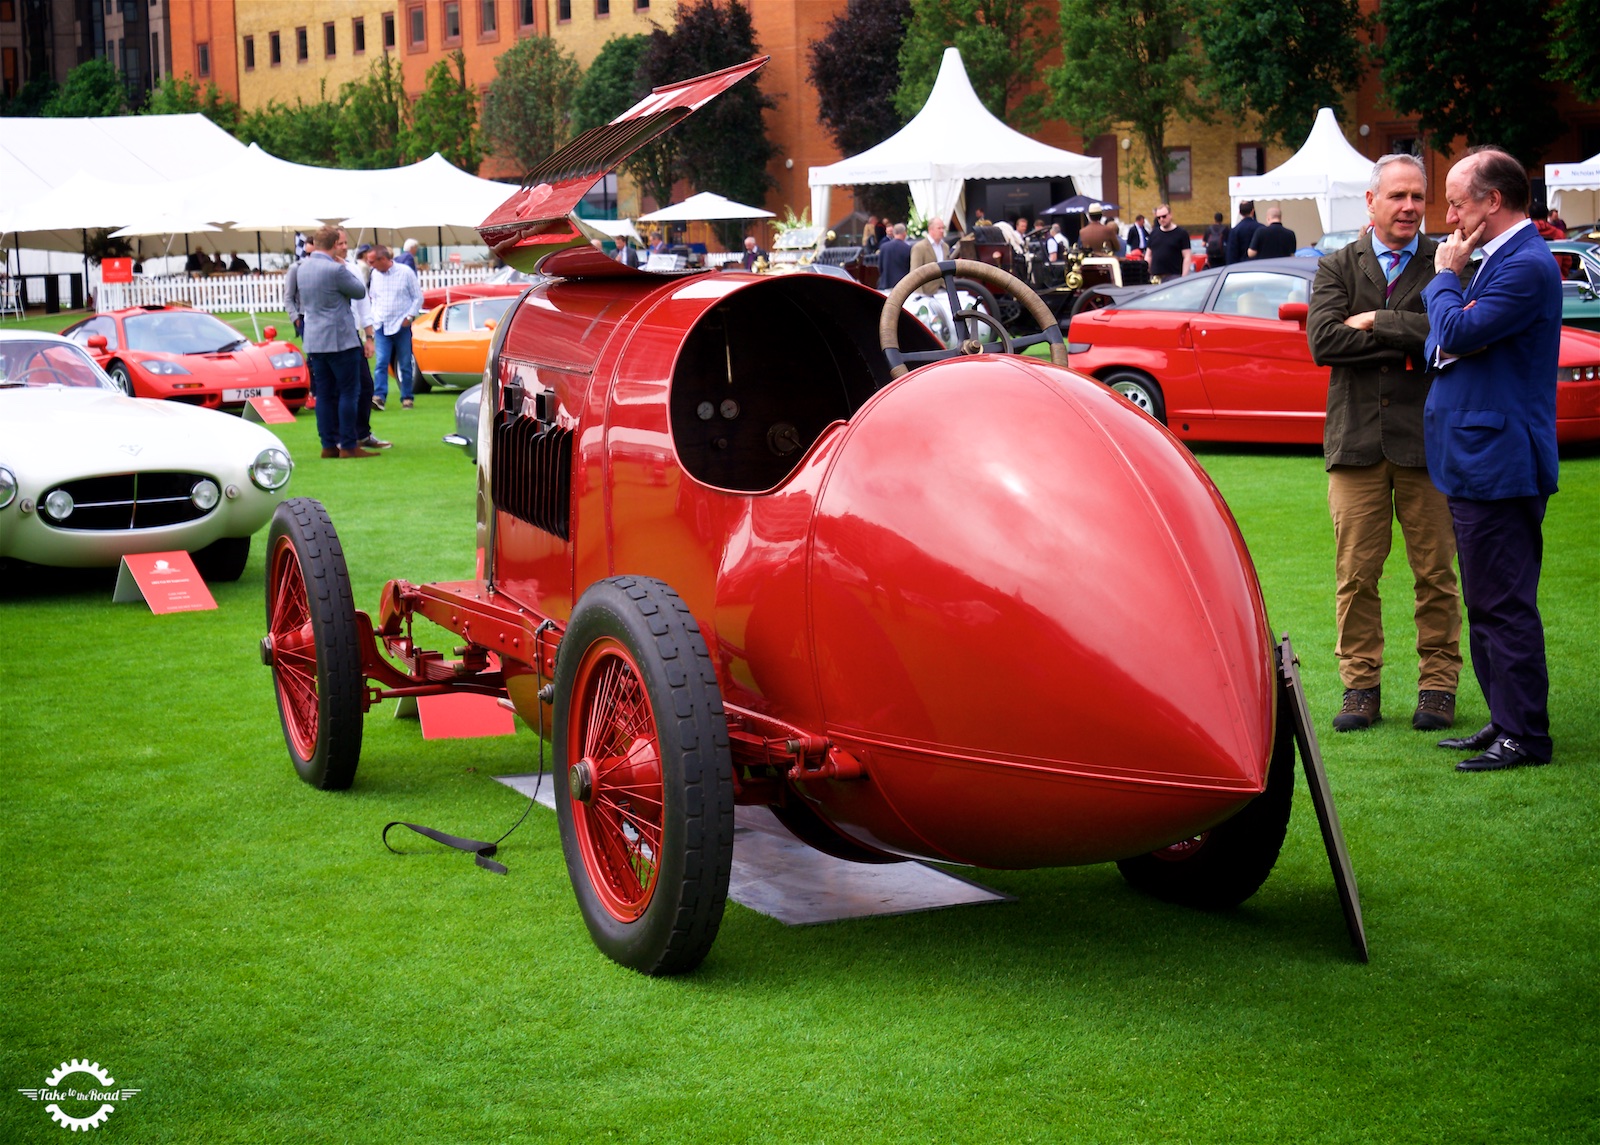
[[531, 474], [129, 501]]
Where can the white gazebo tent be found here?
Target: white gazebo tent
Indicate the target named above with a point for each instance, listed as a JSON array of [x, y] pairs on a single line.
[[1573, 189], [707, 206], [952, 139], [1322, 187]]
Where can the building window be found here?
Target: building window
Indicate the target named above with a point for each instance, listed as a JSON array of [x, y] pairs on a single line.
[[1405, 145], [274, 49], [602, 7], [452, 22], [563, 11], [302, 45], [11, 78], [525, 14], [155, 55], [358, 35], [1180, 181], [8, 13], [417, 27], [330, 41], [488, 19], [641, 5], [388, 30], [249, 53], [202, 60], [1252, 159]]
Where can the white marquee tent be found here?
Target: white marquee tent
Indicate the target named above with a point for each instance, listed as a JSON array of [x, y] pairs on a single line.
[[952, 139], [707, 206], [1573, 189], [1322, 187]]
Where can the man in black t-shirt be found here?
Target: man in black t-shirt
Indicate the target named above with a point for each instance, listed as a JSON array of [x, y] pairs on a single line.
[[1273, 240], [1169, 247]]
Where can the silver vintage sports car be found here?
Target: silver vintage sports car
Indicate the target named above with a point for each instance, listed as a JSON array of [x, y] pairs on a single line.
[[87, 474]]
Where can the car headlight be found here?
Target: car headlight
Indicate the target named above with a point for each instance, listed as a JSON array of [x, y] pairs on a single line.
[[58, 506], [205, 494], [162, 367], [270, 470], [288, 360], [8, 486]]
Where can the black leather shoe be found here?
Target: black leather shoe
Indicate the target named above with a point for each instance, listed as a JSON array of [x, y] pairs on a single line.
[[1502, 754], [1483, 738]]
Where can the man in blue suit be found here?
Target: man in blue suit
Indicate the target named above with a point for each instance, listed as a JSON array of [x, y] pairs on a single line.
[[1490, 431]]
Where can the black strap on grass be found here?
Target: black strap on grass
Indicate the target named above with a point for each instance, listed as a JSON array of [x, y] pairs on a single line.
[[480, 850]]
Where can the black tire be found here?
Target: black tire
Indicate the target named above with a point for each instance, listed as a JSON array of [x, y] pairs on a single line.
[[634, 670], [1140, 389], [1090, 299], [119, 374], [321, 695], [419, 383], [1224, 866], [223, 559]]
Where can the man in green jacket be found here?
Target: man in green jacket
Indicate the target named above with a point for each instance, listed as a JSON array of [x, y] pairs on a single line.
[[1367, 322]]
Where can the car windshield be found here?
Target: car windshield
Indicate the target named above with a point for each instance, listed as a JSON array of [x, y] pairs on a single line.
[[490, 309], [179, 332], [25, 362]]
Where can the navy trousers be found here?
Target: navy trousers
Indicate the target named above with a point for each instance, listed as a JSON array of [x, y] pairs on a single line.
[[1500, 546], [336, 379]]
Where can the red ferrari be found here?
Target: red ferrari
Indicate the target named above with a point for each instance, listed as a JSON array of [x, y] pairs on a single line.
[[191, 356], [1222, 356]]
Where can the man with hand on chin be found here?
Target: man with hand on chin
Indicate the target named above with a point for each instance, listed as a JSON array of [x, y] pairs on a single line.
[[1490, 427]]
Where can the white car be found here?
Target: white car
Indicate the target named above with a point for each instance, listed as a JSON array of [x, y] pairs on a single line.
[[87, 474]]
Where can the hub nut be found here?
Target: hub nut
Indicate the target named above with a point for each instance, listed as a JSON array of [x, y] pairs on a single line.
[[580, 781]]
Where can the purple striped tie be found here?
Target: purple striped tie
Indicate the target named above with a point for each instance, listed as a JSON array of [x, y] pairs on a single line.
[[1391, 272]]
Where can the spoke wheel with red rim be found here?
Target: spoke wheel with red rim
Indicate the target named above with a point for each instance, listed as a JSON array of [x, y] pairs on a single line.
[[1222, 867], [311, 645], [645, 803]]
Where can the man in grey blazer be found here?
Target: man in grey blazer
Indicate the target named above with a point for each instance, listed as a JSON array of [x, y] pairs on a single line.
[[332, 345], [1367, 321]]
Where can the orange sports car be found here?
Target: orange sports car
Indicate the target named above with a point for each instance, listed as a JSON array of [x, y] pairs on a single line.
[[451, 342]]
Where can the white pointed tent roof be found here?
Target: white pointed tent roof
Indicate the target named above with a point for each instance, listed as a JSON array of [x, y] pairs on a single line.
[[1326, 173], [707, 206], [952, 139], [1573, 189]]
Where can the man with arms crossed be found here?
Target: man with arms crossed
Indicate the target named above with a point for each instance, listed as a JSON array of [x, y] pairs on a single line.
[[1490, 424], [1367, 322]]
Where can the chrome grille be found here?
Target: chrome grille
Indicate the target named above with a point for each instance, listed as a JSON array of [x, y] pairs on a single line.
[[128, 501]]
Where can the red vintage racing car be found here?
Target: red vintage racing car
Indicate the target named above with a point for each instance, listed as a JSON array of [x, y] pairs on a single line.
[[908, 609]]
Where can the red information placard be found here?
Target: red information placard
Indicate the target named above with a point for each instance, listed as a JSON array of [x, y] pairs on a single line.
[[116, 270], [167, 582], [267, 409], [463, 716]]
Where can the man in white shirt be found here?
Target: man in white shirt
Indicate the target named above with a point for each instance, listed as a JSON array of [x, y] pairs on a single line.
[[396, 298]]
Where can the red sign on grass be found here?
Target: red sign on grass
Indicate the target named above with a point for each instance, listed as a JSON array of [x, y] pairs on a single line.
[[463, 715], [268, 409], [167, 582]]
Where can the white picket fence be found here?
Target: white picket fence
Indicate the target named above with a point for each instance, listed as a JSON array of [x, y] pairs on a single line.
[[238, 294]]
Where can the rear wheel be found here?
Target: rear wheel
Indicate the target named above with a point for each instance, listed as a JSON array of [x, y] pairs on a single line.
[[419, 383], [312, 645], [644, 778], [1224, 866], [223, 559], [1141, 390]]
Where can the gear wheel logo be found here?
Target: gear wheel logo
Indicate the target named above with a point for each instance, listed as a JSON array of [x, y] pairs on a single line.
[[94, 1102]]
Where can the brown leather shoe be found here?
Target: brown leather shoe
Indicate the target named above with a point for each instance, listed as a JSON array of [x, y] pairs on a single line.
[[1360, 709], [1435, 711], [359, 453], [330, 453]]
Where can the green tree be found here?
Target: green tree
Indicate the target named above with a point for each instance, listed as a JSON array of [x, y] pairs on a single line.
[[1002, 44], [526, 111], [1470, 68], [301, 132], [613, 84], [1575, 45], [31, 98], [370, 129], [1316, 56], [174, 96], [723, 147], [1129, 61], [92, 88], [445, 116], [855, 68]]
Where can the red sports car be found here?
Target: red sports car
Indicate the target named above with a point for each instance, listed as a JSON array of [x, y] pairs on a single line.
[[191, 356], [1222, 356]]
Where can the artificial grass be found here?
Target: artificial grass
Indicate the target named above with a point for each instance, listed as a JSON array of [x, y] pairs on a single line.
[[181, 908]]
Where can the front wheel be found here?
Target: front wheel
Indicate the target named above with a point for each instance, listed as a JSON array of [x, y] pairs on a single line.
[[223, 559], [119, 374], [312, 645], [644, 777], [1141, 390], [1224, 866]]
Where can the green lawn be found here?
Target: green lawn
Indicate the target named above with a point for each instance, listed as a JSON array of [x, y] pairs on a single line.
[[180, 908]]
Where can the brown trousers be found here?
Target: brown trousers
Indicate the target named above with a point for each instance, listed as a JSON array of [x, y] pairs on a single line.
[[1364, 501]]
